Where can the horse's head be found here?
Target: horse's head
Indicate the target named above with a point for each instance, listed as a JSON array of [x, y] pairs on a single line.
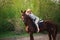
[[23, 14]]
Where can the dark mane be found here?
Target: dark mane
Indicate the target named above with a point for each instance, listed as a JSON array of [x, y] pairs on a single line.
[[29, 21]]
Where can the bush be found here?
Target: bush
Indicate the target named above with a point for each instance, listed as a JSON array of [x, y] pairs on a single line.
[[6, 26]]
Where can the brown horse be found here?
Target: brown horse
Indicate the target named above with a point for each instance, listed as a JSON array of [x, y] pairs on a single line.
[[31, 28]]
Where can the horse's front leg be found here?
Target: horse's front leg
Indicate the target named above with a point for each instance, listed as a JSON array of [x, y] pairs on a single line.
[[49, 35], [31, 36]]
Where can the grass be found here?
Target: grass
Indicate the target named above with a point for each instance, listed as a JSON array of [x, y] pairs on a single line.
[[11, 34]]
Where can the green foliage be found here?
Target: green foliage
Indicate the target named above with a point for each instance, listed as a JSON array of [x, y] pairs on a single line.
[[6, 26], [10, 15]]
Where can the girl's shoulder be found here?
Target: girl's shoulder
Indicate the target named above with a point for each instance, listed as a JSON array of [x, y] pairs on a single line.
[[31, 14]]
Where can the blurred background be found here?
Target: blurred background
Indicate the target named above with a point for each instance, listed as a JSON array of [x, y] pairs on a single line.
[[11, 23]]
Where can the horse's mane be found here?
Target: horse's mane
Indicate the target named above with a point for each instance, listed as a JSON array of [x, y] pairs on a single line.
[[31, 23]]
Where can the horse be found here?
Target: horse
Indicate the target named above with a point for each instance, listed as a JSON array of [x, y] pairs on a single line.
[[31, 28]]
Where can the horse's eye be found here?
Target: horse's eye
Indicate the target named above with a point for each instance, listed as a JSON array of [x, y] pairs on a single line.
[[22, 15]]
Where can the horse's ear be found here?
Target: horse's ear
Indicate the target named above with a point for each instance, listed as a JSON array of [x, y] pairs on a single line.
[[24, 11], [21, 11]]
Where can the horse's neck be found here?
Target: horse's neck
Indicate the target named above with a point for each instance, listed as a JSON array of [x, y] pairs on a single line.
[[29, 21]]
